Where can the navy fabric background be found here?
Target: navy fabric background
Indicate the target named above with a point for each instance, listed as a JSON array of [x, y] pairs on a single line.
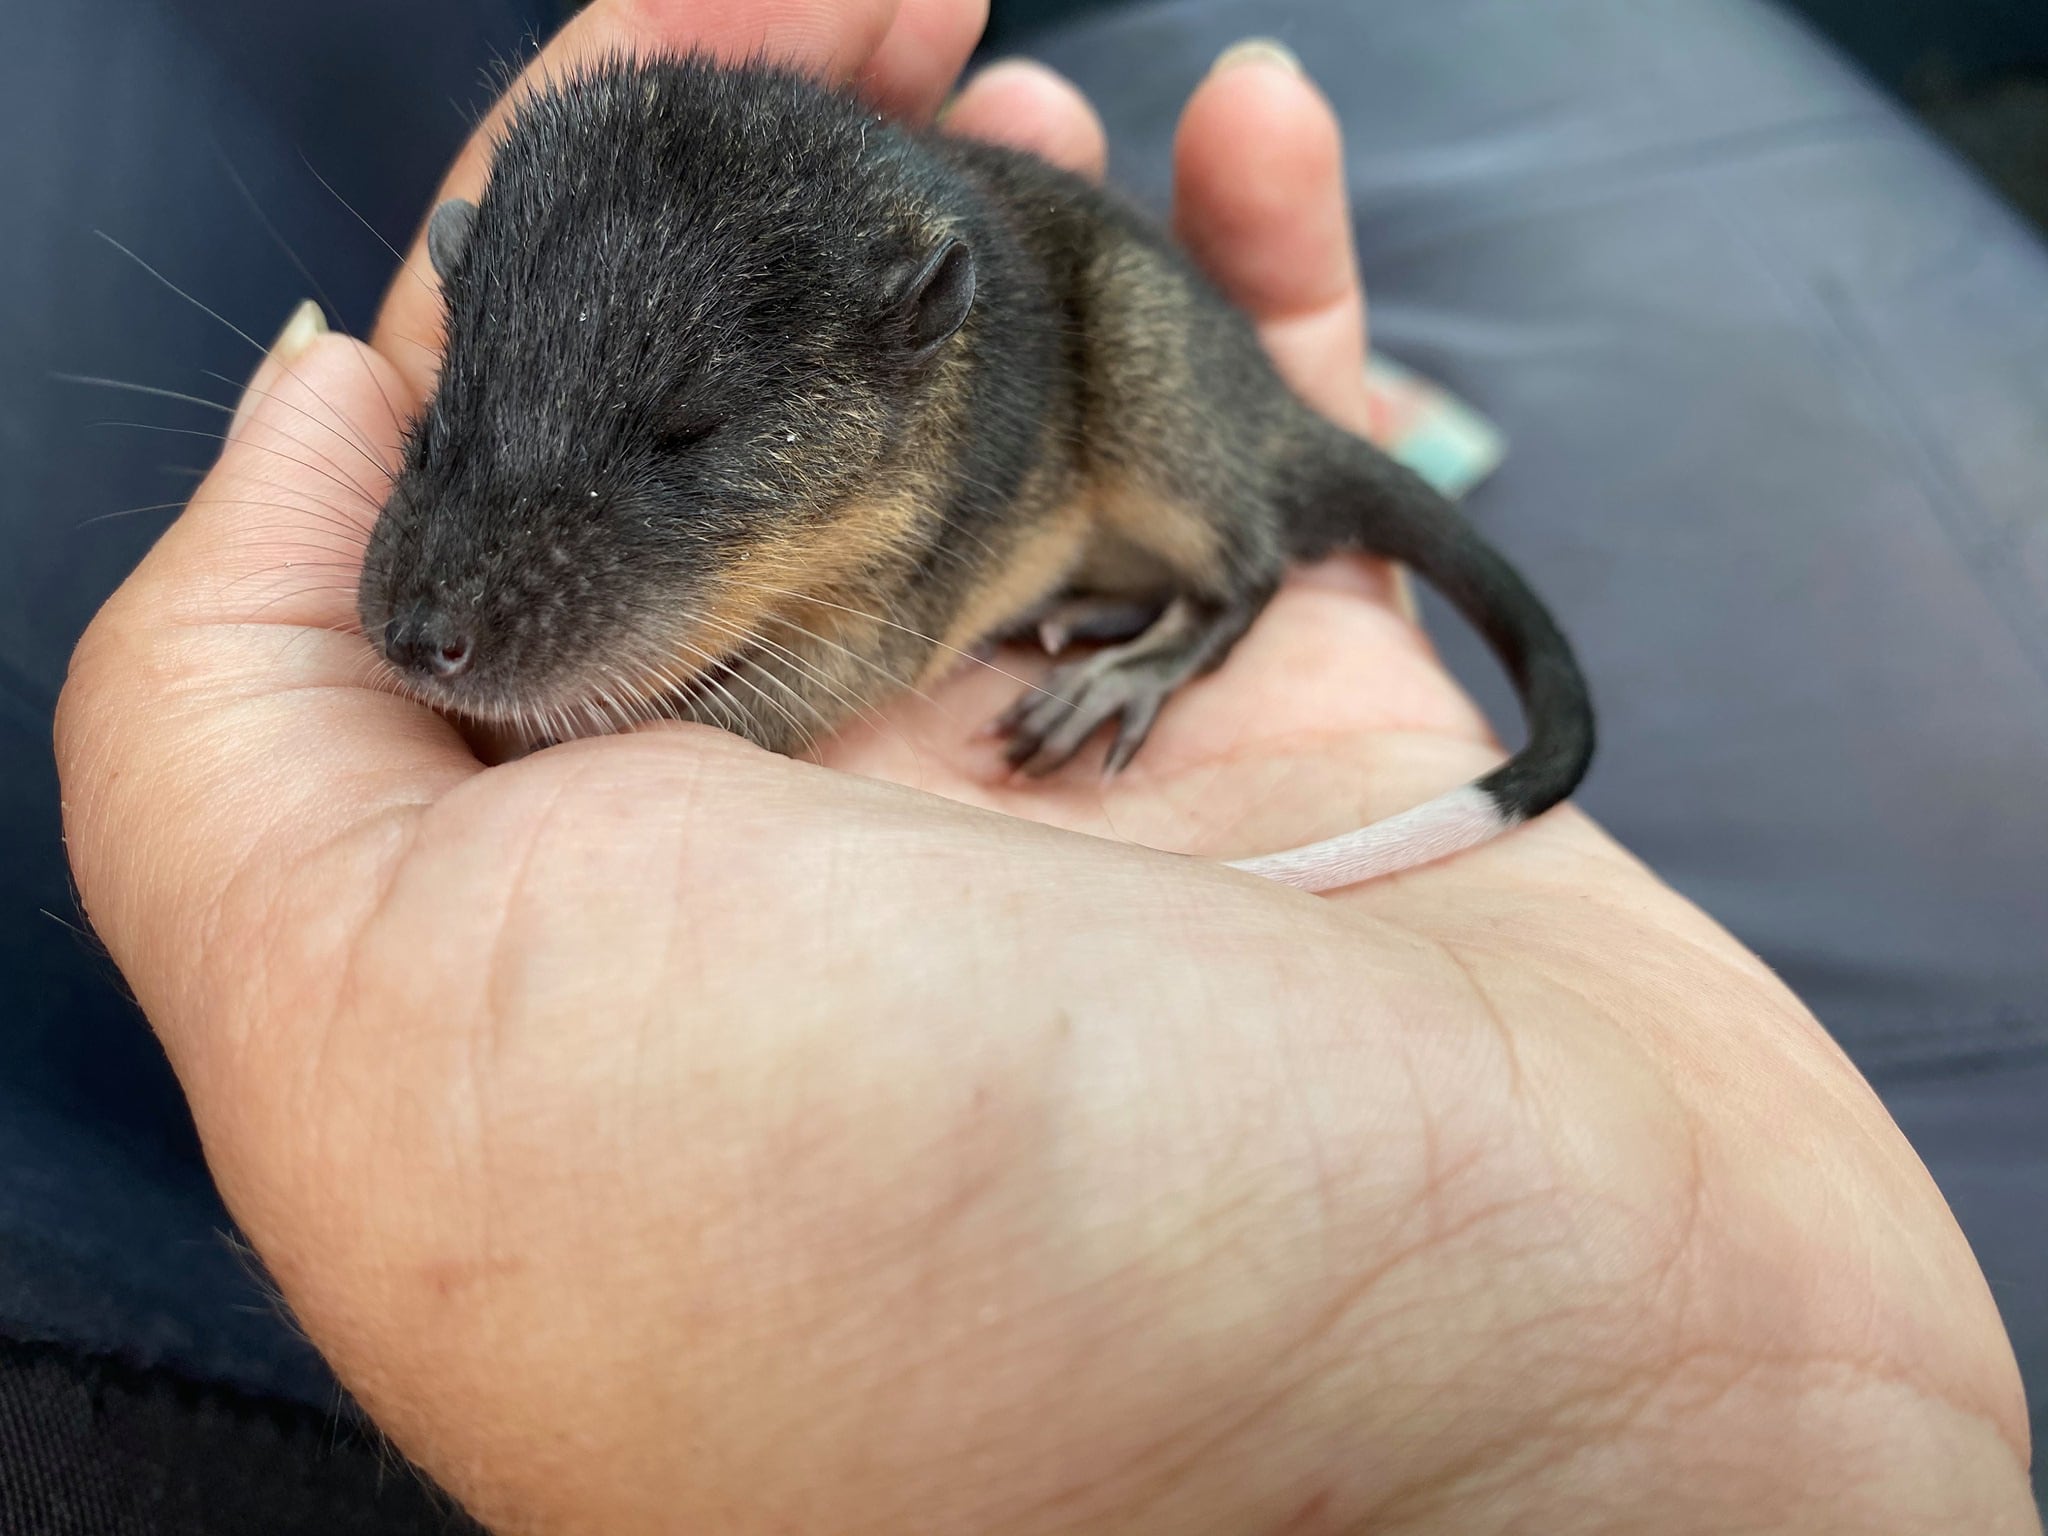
[[135, 118], [1775, 372]]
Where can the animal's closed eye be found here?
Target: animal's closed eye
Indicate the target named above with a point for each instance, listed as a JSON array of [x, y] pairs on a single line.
[[686, 429]]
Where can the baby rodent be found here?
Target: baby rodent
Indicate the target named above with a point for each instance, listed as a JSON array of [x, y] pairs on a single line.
[[754, 405]]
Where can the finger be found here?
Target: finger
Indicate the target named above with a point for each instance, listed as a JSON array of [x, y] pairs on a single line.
[[210, 734], [1260, 203], [1024, 105], [926, 48], [274, 534], [830, 38]]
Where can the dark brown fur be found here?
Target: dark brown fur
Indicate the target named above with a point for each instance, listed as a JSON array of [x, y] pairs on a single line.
[[703, 445]]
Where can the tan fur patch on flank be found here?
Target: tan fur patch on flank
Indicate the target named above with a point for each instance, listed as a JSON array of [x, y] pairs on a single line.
[[1032, 569], [1183, 541]]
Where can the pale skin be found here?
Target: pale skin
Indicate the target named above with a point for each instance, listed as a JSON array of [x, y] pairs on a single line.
[[659, 1135]]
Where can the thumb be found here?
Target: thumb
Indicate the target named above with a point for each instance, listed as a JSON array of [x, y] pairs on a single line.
[[219, 721], [308, 457]]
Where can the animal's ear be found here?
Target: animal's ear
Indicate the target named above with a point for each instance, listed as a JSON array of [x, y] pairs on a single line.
[[448, 232], [937, 295]]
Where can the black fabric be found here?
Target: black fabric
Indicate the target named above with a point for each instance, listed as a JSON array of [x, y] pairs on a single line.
[[88, 1448], [138, 118]]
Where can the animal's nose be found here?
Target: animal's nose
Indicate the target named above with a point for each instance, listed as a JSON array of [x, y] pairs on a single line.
[[425, 641]]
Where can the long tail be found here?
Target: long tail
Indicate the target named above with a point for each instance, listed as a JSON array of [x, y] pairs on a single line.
[[1348, 495]]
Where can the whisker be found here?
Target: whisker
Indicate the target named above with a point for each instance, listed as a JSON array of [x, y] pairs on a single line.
[[306, 272], [154, 506], [732, 665], [599, 724], [218, 437], [414, 341], [748, 638], [342, 569], [759, 667], [802, 730], [563, 723], [225, 410], [876, 618], [637, 705], [910, 689], [859, 705], [661, 704], [317, 589], [181, 293], [340, 566], [141, 389], [261, 350], [711, 664], [324, 523], [373, 229], [731, 717], [363, 448]]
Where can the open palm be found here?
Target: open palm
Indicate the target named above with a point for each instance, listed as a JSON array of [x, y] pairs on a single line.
[[657, 1134]]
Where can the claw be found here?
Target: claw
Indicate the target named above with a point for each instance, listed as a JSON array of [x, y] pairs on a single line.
[[1127, 684], [1139, 716]]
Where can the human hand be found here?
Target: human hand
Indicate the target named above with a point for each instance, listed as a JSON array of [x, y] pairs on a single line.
[[657, 1134]]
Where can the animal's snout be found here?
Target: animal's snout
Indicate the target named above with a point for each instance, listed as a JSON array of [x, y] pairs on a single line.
[[426, 642]]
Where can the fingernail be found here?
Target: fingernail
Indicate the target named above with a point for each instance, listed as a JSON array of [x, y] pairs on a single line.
[[306, 326], [306, 323], [1257, 50], [1404, 595]]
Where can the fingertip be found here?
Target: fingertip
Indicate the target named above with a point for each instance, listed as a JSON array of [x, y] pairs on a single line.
[[1402, 597], [328, 393], [916, 63], [301, 329], [1258, 50], [1022, 104], [276, 529], [1259, 184], [1260, 202]]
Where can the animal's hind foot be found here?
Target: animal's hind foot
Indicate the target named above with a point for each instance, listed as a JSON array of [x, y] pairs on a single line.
[[1127, 683], [1059, 622]]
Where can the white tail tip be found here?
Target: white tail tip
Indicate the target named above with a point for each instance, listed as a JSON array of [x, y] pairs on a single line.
[[1449, 824]]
